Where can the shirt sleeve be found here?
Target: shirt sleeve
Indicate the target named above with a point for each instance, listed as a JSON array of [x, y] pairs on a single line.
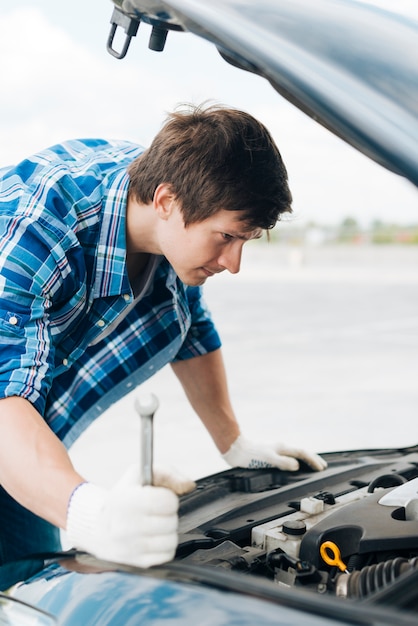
[[202, 336], [29, 275]]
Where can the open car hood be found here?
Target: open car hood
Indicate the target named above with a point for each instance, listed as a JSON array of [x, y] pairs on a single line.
[[330, 58]]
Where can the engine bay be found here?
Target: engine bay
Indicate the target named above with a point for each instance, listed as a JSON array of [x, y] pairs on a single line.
[[339, 546], [350, 532]]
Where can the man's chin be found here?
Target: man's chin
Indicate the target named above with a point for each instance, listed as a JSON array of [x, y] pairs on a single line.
[[193, 281]]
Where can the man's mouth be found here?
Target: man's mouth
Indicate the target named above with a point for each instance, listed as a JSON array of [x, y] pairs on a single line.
[[209, 272]]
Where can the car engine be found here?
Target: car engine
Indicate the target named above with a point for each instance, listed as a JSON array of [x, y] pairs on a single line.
[[351, 531]]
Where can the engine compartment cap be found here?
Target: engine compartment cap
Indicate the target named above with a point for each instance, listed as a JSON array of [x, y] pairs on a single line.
[[400, 496]]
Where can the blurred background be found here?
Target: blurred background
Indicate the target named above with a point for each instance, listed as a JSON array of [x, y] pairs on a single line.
[[320, 328]]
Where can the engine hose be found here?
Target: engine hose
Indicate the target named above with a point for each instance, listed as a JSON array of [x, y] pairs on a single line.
[[355, 562], [375, 577], [385, 481]]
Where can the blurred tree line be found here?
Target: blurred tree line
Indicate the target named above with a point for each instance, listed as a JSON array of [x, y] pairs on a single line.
[[379, 232], [349, 231]]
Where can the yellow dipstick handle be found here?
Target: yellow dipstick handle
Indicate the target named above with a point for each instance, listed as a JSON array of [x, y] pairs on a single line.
[[331, 554]]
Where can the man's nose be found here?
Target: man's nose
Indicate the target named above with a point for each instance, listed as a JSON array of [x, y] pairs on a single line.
[[230, 259]]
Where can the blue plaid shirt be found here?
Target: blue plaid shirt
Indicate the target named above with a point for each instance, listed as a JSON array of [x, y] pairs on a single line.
[[64, 282]]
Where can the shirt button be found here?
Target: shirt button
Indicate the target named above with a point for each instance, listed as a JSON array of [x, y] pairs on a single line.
[[13, 320], [65, 362], [101, 323], [126, 297]]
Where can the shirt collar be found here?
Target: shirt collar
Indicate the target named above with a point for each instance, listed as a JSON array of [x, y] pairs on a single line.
[[111, 274]]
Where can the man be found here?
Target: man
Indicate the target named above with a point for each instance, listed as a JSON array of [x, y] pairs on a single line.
[[104, 247]]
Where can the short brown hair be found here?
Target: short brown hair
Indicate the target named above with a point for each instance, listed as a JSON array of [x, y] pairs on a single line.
[[215, 158]]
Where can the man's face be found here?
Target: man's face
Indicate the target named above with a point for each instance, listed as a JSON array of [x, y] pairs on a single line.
[[206, 248]]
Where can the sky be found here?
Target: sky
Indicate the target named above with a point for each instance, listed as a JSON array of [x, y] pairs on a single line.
[[59, 82]]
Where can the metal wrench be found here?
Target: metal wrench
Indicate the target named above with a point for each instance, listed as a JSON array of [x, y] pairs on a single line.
[[146, 407]]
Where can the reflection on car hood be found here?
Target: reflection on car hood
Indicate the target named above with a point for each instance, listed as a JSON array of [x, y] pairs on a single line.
[[347, 64]]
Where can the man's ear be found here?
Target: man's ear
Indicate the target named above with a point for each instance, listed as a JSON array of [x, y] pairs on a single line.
[[164, 200]]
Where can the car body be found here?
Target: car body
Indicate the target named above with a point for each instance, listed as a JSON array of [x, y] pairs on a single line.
[[338, 547]]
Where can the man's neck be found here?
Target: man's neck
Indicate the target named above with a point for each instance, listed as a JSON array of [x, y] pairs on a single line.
[[136, 262]]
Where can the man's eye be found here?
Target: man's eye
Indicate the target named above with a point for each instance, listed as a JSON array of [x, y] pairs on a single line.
[[227, 237]]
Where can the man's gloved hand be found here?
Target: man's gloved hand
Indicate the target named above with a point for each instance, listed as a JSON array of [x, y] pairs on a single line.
[[129, 523], [172, 479], [245, 453]]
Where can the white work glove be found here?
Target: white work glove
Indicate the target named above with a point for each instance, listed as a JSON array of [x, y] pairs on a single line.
[[130, 523], [245, 453]]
